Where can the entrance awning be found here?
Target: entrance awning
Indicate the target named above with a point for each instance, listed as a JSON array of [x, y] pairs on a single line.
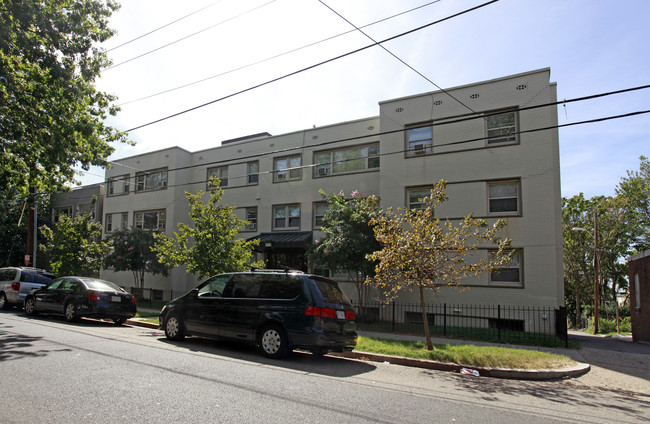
[[294, 240]]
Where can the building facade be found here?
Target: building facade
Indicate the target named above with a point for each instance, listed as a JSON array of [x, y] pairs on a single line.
[[639, 277], [494, 142]]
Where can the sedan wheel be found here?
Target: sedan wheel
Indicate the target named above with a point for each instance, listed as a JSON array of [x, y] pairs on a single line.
[[119, 321], [274, 342], [30, 306], [70, 312], [174, 329]]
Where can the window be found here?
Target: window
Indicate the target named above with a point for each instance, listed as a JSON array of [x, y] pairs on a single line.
[[320, 209], [85, 209], [415, 195], [57, 213], [503, 197], [116, 222], [151, 180], [353, 159], [286, 217], [221, 173], [118, 185], [251, 217], [508, 274], [253, 172], [150, 220], [502, 128], [287, 168], [419, 140]]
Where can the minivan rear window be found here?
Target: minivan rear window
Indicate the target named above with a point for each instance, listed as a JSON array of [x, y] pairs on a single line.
[[331, 292]]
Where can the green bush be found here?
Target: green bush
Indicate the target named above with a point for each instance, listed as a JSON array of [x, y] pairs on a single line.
[[606, 326]]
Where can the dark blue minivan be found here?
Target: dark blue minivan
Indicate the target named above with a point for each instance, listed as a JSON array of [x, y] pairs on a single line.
[[276, 310]]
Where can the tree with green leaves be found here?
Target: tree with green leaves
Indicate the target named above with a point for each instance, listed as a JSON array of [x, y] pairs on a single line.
[[635, 191], [75, 246], [211, 246], [419, 250], [53, 117], [132, 251], [349, 237]]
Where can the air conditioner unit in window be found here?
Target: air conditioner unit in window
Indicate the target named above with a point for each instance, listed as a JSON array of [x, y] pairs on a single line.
[[281, 176], [419, 149], [323, 171]]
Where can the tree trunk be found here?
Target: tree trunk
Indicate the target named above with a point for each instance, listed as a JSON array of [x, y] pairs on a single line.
[[425, 320]]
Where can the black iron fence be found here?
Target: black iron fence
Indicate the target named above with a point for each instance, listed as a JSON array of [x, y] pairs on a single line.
[[493, 323], [153, 298]]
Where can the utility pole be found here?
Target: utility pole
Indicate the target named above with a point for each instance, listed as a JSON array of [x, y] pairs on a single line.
[[596, 269]]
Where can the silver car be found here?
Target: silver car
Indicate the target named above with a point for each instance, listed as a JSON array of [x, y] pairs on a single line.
[[16, 283]]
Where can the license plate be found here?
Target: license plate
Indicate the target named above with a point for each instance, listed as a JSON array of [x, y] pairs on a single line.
[[116, 299], [340, 314]]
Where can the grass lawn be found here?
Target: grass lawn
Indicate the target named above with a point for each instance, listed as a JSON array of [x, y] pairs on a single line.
[[478, 356]]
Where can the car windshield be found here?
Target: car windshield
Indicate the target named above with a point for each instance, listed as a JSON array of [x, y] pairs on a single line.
[[102, 285], [331, 292]]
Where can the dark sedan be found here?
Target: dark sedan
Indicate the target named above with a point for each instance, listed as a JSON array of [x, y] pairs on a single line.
[[75, 297]]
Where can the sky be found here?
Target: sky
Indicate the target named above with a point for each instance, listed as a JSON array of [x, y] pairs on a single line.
[[235, 46]]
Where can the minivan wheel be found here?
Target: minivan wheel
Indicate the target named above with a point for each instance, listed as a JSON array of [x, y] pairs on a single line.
[[70, 312], [3, 301], [174, 329], [274, 342]]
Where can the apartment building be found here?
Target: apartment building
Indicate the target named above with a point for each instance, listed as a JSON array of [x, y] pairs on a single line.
[[494, 142]]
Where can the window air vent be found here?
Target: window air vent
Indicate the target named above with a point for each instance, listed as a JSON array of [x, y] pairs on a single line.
[[474, 96]]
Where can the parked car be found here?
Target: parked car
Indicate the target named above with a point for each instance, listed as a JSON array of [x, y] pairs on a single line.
[[16, 282], [75, 297], [275, 310]]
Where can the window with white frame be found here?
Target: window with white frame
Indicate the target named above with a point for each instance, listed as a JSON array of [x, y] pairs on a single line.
[[252, 172], [502, 128], [508, 274], [286, 217], [220, 172], [287, 168], [349, 159], [150, 220], [119, 185], [503, 197], [320, 209], [57, 213], [116, 221], [419, 139], [415, 196], [151, 180], [250, 215]]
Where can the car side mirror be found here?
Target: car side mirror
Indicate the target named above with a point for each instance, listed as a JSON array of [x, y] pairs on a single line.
[[194, 292]]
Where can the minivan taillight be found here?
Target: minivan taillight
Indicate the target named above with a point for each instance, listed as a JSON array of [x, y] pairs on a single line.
[[15, 287], [92, 295], [314, 311]]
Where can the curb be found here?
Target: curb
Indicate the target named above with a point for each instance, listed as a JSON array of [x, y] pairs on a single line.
[[514, 374], [505, 373]]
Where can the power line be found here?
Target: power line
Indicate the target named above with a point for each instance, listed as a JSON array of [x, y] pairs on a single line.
[[311, 66], [244, 159], [274, 57], [164, 26], [396, 57], [188, 36]]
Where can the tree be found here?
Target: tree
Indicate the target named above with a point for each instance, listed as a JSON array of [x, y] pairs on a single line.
[[211, 246], [132, 251], [74, 246], [635, 190], [52, 114], [349, 237], [421, 251]]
